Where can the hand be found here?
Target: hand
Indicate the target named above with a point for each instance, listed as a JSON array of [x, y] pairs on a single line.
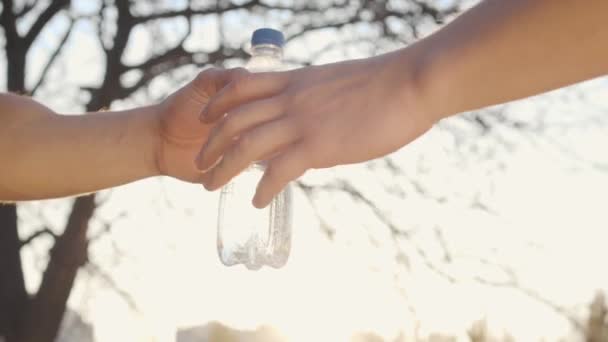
[[180, 131], [315, 117]]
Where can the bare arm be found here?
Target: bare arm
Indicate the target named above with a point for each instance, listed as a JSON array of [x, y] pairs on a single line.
[[505, 50], [359, 110], [44, 154]]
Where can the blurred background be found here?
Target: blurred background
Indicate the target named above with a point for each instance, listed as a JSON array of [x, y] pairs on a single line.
[[491, 227]]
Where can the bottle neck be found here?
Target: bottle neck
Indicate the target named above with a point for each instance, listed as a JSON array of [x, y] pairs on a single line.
[[267, 51]]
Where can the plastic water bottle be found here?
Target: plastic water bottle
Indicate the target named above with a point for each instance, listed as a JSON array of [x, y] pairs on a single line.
[[247, 235]]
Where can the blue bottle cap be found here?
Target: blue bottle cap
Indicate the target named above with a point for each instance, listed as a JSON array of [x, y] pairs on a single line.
[[267, 36]]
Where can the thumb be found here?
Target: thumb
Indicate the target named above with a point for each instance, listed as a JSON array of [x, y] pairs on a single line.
[[210, 81]]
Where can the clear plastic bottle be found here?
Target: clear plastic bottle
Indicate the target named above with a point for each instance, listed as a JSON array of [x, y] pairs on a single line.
[[247, 235]]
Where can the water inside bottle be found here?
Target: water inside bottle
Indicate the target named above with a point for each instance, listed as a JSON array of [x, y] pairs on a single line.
[[247, 235], [250, 236], [241, 236]]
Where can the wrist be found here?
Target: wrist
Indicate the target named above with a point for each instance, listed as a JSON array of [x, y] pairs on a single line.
[[406, 72], [432, 75], [147, 132]]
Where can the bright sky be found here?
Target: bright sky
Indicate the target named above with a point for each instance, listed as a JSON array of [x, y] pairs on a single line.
[[546, 192]]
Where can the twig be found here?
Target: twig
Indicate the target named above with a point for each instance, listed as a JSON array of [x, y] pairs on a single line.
[[53, 57], [96, 270], [44, 231]]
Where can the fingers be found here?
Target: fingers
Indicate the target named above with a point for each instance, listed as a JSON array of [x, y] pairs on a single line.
[[238, 121], [243, 87], [252, 146], [211, 80], [289, 165]]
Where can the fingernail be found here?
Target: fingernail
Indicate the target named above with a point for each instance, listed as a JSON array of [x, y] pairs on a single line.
[[212, 186], [207, 181], [199, 163], [207, 187], [257, 202], [203, 169]]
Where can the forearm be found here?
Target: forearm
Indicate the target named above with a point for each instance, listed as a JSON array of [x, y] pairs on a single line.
[[505, 50], [48, 155]]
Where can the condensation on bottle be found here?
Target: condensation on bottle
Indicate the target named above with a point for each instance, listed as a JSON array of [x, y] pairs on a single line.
[[247, 235]]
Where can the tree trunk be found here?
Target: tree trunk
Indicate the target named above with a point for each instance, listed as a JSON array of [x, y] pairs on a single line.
[[13, 297], [39, 319], [15, 68], [69, 253]]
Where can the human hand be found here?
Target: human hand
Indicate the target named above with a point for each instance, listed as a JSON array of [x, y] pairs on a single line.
[[315, 117], [180, 133]]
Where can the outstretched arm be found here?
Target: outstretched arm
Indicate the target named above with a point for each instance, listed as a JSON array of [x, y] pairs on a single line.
[[505, 50], [44, 154], [354, 111]]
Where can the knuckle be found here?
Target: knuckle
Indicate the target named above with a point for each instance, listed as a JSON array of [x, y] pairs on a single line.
[[238, 73], [293, 126], [240, 81], [289, 98], [207, 76], [206, 73], [283, 100], [236, 87], [301, 127], [230, 126], [300, 94], [201, 83], [244, 144]]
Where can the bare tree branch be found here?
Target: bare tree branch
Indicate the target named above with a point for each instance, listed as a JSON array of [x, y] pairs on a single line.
[[27, 7], [106, 226], [188, 31], [54, 7], [437, 15], [308, 191], [53, 57], [100, 22], [95, 270], [166, 58], [189, 12], [155, 67], [447, 256], [513, 283], [38, 233], [110, 87], [397, 234], [171, 60], [313, 27], [218, 9], [8, 20]]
